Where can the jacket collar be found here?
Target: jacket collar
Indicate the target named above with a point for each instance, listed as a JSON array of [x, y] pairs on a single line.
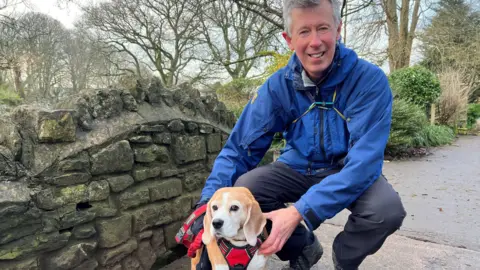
[[343, 61]]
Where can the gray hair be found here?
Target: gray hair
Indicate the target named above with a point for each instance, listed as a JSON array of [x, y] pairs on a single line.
[[289, 5]]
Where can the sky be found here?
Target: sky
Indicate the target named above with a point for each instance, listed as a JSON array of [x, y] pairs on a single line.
[[66, 14]]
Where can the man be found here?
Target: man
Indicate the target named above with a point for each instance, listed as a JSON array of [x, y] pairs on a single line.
[[335, 112]]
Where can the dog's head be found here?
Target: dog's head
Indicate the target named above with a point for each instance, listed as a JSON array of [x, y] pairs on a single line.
[[233, 213]]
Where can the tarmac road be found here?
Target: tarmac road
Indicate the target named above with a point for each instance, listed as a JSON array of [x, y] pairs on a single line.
[[441, 194]]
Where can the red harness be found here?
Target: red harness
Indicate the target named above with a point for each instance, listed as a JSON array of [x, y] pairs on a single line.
[[238, 258]]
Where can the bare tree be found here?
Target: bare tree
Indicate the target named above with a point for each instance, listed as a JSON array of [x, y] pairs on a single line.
[[236, 38], [43, 57], [160, 33]]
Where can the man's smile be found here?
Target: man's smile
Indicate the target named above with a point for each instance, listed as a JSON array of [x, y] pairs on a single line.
[[317, 55]]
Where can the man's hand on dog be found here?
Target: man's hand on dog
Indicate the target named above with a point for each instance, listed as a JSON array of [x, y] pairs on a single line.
[[284, 222]]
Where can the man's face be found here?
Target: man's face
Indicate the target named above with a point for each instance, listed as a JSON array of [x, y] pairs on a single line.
[[313, 37]]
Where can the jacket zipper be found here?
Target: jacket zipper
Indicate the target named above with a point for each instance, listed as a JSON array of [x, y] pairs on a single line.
[[322, 142]]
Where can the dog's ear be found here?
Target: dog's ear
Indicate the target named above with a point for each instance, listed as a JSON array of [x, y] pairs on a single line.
[[207, 235], [254, 223]]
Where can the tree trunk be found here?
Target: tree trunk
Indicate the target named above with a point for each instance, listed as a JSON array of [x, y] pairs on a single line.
[[17, 76]]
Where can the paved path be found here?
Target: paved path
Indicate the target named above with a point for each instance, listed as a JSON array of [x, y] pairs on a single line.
[[441, 194]]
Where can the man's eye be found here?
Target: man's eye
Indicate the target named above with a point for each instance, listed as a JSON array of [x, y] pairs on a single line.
[[214, 208], [233, 208]]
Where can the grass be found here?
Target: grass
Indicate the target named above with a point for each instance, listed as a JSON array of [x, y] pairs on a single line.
[[9, 97]]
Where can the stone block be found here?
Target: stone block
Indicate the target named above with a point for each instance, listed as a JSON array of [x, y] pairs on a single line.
[[143, 172], [30, 217], [33, 244], [195, 181], [129, 102], [133, 196], [84, 231], [70, 179], [189, 148], [182, 206], [91, 264], [79, 163], [145, 254], [10, 137], [192, 127], [144, 234], [170, 232], [116, 254], [214, 143], [27, 264], [104, 208], [158, 241], [71, 256], [146, 155], [211, 161], [19, 232], [119, 183], [53, 198], [112, 232], [117, 157], [151, 215], [14, 198], [69, 216], [165, 189], [152, 128], [7, 164], [176, 126], [141, 139], [56, 126], [205, 129], [98, 191], [131, 263], [162, 138]]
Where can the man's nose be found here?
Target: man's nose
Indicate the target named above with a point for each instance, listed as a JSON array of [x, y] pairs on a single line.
[[315, 40], [217, 223]]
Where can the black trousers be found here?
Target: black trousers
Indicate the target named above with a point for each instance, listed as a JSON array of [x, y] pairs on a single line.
[[376, 214]]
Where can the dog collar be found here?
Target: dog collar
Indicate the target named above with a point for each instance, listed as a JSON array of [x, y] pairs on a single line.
[[238, 258]]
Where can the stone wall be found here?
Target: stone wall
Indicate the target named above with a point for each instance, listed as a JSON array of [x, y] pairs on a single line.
[[105, 181]]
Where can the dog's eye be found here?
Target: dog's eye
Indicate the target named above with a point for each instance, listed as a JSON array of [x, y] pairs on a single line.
[[214, 208], [233, 208]]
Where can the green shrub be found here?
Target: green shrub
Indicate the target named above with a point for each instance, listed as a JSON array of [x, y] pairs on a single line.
[[9, 97], [236, 93], [407, 121], [432, 135], [473, 114], [415, 84]]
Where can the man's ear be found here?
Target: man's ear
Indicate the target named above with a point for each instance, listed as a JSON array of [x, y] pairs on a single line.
[[207, 235], [339, 31], [288, 40], [254, 223]]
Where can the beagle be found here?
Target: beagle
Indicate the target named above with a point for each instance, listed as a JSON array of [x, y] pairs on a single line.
[[234, 228]]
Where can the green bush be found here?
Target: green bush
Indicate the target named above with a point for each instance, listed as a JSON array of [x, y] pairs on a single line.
[[408, 120], [432, 135], [9, 97], [236, 93], [415, 84], [473, 114]]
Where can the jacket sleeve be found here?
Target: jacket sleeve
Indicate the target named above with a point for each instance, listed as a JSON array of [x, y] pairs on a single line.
[[249, 140], [368, 115]]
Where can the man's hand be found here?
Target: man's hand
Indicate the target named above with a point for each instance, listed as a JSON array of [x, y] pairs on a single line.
[[284, 222]]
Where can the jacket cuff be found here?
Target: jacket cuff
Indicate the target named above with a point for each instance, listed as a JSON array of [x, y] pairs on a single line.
[[311, 219]]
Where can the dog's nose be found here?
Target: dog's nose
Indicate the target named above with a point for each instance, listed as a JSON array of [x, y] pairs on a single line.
[[217, 223]]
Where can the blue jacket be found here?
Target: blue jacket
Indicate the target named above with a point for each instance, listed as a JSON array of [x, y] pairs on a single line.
[[355, 128]]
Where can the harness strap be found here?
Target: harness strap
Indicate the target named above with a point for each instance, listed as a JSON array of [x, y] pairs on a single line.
[[238, 258], [322, 105]]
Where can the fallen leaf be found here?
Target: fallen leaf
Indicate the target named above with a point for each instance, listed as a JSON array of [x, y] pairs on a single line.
[[440, 209]]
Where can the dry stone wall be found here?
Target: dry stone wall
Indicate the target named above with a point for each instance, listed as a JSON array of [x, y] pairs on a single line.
[[105, 181]]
